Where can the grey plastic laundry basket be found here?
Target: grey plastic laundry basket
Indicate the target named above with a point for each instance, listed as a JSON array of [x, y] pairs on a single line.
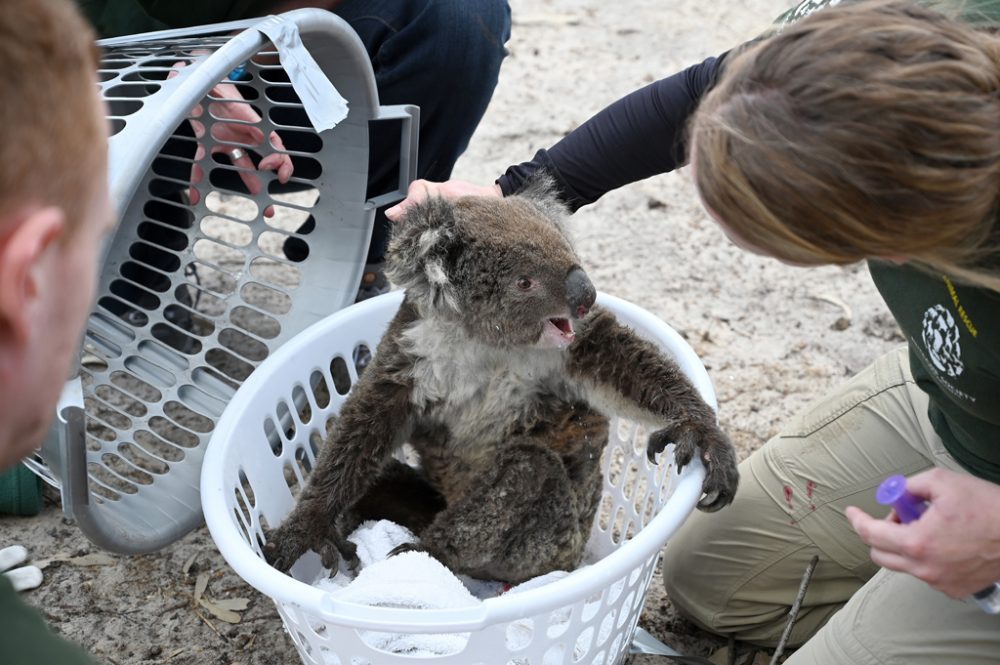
[[195, 291]]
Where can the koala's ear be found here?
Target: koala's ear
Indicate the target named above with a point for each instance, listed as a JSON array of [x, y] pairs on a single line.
[[423, 249], [541, 191]]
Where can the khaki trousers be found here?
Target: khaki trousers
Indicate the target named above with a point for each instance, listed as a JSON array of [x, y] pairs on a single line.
[[738, 570]]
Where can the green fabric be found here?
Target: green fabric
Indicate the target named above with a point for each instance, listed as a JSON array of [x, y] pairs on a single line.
[[982, 12], [25, 639], [114, 18], [20, 492], [954, 356]]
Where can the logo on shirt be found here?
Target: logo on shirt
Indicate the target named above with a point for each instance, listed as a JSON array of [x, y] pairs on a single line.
[[803, 9], [941, 340]]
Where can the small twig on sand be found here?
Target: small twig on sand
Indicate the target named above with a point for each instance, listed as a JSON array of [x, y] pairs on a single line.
[[209, 624], [793, 613], [175, 654]]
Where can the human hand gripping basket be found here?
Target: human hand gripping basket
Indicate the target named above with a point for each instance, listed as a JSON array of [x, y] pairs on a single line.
[[265, 444]]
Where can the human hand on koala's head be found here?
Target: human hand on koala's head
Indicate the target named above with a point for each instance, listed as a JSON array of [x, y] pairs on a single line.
[[421, 190]]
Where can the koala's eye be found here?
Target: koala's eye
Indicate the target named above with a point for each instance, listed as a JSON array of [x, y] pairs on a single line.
[[525, 284]]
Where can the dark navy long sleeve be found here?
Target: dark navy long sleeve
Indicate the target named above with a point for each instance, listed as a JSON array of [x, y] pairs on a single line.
[[640, 135]]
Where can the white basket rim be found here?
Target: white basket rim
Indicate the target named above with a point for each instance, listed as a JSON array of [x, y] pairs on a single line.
[[579, 584]]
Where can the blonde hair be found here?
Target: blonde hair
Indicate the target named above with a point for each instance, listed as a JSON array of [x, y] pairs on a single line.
[[51, 138], [865, 130]]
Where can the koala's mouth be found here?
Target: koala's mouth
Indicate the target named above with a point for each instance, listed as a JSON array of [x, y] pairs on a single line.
[[558, 331]]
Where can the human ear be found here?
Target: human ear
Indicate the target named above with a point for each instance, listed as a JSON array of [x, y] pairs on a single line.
[[22, 251]]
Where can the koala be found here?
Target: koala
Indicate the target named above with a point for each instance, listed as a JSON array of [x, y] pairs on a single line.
[[501, 373]]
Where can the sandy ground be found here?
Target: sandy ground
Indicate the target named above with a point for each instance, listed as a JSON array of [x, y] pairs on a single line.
[[772, 337]]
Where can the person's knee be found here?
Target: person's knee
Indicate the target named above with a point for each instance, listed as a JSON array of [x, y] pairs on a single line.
[[476, 29]]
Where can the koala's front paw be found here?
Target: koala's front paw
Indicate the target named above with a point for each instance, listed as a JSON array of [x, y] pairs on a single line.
[[283, 546], [716, 452]]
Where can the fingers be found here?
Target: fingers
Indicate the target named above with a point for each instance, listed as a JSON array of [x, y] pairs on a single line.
[[921, 570], [229, 104], [928, 484], [279, 163], [417, 192], [420, 190], [886, 535], [284, 167], [246, 135], [197, 175], [251, 181]]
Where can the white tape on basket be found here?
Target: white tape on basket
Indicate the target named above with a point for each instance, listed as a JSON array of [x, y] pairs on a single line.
[[324, 105]]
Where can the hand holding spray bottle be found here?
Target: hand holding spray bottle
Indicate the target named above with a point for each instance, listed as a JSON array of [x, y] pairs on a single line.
[[908, 507]]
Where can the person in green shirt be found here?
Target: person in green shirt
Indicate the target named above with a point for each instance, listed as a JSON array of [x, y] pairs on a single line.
[[866, 131], [54, 213], [853, 131]]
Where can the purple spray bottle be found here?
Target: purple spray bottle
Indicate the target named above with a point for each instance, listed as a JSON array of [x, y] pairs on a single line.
[[908, 507]]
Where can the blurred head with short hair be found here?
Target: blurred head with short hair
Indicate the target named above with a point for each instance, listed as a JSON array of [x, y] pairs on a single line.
[[54, 208]]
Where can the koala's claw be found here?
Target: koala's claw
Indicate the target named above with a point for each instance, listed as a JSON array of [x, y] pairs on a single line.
[[280, 551], [683, 454], [721, 473], [658, 440], [717, 454], [684, 445], [407, 547], [338, 547], [329, 556], [708, 502], [286, 544]]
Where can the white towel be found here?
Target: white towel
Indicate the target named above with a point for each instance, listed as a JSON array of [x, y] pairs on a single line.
[[408, 580], [411, 580], [376, 539], [417, 580]]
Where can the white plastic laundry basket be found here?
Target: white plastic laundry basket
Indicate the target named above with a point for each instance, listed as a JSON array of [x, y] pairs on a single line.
[[264, 446]]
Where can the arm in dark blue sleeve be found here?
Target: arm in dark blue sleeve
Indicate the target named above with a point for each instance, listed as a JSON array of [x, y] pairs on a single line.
[[641, 135]]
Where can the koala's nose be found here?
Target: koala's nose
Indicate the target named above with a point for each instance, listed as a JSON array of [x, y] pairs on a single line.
[[580, 293]]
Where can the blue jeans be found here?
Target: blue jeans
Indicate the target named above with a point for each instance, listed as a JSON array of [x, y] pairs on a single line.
[[442, 55]]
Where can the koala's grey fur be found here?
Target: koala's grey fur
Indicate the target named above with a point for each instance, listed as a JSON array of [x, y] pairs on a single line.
[[507, 412]]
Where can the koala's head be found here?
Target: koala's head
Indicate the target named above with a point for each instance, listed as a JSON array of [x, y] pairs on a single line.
[[503, 269]]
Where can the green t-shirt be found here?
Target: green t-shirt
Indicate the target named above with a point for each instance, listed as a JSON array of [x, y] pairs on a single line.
[[980, 12], [954, 357], [949, 327], [25, 639], [114, 18]]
